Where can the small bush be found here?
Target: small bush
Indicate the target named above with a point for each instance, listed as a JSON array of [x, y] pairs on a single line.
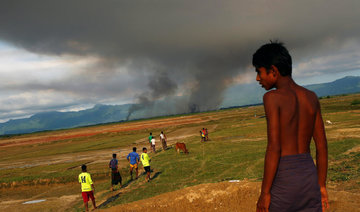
[[355, 102]]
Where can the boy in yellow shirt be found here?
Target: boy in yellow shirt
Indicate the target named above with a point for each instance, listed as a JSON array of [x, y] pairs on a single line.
[[87, 187], [145, 160]]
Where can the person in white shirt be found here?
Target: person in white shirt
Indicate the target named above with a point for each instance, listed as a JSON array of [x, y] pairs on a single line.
[[153, 144], [163, 140]]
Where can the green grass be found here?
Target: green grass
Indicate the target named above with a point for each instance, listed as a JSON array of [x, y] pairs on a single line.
[[236, 151], [209, 162]]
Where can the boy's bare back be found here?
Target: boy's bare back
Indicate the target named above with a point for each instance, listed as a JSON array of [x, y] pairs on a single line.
[[297, 108], [291, 181]]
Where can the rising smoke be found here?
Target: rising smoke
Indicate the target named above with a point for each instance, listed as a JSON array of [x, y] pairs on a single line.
[[199, 46], [160, 86]]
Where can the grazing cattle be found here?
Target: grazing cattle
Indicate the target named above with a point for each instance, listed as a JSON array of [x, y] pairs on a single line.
[[181, 146]]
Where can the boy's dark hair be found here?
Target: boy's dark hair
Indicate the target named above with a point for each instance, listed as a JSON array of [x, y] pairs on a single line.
[[134, 149], [144, 149], [151, 133], [162, 132], [114, 155], [273, 53], [83, 167]]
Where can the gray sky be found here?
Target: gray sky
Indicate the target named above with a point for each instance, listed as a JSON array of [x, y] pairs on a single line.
[[69, 55]]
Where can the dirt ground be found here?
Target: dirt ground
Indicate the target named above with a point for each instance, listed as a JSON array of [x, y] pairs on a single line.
[[225, 196], [58, 197], [101, 156], [90, 131]]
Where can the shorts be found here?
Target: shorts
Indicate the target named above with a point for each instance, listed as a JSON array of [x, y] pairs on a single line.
[[134, 165], [147, 168], [295, 186], [87, 194]]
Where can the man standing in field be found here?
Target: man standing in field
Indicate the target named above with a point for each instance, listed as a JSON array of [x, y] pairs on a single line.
[[134, 159], [291, 181], [115, 174], [87, 187], [163, 140], [145, 160], [206, 134]]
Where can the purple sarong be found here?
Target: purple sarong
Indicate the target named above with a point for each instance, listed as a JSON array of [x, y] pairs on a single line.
[[295, 186]]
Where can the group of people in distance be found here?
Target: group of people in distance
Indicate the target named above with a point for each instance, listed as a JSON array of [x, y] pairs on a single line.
[[87, 185], [204, 135], [163, 140]]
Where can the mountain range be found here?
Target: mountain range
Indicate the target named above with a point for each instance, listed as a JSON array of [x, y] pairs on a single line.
[[245, 94]]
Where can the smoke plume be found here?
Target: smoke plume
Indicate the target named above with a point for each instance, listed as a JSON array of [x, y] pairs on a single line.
[[200, 46]]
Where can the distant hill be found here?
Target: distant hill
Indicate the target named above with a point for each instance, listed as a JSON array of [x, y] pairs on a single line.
[[62, 120], [252, 93], [344, 85], [235, 96]]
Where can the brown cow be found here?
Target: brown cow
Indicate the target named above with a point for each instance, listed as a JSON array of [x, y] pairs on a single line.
[[181, 146]]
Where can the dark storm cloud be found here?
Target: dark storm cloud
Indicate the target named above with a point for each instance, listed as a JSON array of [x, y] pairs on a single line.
[[204, 42]]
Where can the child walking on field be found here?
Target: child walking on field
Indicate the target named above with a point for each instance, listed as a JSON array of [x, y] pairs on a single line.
[[87, 187], [145, 160]]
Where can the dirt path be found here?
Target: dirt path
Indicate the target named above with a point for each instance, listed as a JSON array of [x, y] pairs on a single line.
[[94, 130], [102, 156]]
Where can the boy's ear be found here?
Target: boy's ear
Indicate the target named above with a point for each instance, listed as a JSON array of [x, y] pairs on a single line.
[[274, 70]]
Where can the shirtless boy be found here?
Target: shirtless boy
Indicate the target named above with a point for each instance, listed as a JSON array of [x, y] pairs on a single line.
[[291, 181]]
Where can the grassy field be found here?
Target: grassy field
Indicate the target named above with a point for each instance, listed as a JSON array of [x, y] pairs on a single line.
[[49, 169]]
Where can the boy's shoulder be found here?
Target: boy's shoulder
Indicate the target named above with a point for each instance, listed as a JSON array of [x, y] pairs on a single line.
[[133, 154], [308, 92], [84, 173], [272, 96]]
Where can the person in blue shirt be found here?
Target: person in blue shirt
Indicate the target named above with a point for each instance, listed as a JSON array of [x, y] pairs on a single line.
[[134, 159]]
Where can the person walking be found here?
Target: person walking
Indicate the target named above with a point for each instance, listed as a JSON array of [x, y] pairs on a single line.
[[115, 174], [145, 160], [163, 140], [133, 159], [87, 187]]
